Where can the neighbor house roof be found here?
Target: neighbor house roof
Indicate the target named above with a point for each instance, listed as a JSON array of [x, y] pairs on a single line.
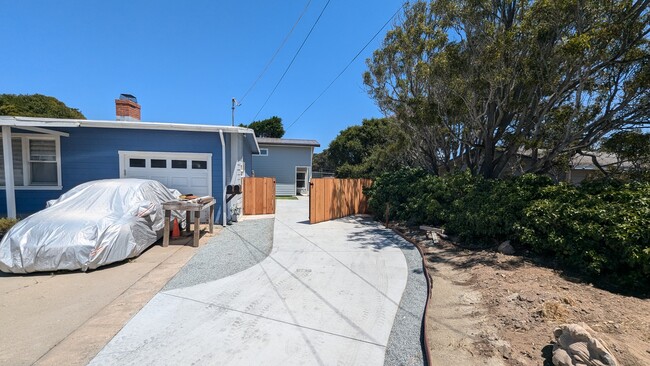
[[583, 162], [39, 122], [290, 142]]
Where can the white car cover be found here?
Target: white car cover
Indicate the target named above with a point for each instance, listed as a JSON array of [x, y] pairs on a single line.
[[92, 225]]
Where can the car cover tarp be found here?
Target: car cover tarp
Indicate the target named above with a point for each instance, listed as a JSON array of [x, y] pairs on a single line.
[[93, 224]]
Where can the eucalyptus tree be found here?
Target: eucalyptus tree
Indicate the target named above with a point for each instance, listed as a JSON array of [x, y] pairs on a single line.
[[479, 83]]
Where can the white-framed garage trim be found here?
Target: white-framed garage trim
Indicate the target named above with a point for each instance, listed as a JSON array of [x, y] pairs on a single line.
[[166, 155]]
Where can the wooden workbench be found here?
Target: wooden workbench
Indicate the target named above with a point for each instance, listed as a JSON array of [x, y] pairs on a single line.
[[188, 207]]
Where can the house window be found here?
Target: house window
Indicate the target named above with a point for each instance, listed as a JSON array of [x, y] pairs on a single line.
[[36, 161], [263, 152], [42, 163]]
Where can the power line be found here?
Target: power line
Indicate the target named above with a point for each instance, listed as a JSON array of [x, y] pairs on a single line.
[[346, 67], [293, 59], [268, 64]]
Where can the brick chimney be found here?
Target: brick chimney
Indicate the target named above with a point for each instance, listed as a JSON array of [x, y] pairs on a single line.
[[127, 108]]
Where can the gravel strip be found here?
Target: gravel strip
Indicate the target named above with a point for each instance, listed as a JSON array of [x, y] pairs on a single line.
[[227, 254], [404, 344]]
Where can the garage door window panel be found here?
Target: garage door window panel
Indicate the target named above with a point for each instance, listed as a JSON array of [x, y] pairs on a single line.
[[138, 163], [158, 163], [199, 164], [179, 164]]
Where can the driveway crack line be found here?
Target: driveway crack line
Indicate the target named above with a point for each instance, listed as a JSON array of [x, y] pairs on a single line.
[[273, 319]]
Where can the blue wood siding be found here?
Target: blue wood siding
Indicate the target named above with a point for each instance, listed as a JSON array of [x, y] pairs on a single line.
[[92, 153], [281, 164]]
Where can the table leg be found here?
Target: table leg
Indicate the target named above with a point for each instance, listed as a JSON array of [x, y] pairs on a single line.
[[197, 227], [168, 215], [188, 221], [211, 219]]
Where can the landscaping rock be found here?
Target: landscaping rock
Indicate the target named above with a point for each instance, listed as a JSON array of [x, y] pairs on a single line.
[[576, 346], [506, 248]]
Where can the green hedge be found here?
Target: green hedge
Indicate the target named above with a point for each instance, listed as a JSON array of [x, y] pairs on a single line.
[[599, 228]]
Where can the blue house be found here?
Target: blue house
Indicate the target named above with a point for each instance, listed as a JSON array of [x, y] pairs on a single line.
[[42, 158]]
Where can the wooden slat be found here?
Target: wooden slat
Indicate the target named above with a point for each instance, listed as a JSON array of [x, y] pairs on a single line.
[[259, 195], [334, 198]]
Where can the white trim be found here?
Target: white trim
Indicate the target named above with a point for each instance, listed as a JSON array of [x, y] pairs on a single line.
[[61, 122], [260, 154], [224, 221], [27, 169], [10, 193], [264, 146], [295, 179], [45, 131]]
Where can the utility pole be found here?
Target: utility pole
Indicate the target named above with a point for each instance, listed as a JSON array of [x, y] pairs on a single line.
[[235, 104]]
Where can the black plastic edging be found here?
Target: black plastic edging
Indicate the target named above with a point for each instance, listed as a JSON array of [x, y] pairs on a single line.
[[424, 341]]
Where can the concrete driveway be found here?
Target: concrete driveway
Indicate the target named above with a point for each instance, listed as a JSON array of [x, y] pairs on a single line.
[[326, 295], [65, 318]]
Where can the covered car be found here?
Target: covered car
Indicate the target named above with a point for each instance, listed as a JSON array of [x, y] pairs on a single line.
[[92, 225]]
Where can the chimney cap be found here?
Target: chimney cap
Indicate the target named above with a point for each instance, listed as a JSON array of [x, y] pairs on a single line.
[[130, 97]]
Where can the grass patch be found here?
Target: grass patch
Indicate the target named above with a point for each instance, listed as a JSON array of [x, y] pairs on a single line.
[[286, 197]]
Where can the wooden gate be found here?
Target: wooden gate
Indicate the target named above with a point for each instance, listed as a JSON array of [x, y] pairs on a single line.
[[259, 196], [333, 198]]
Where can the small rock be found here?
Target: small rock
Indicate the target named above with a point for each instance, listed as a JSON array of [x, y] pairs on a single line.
[[506, 248], [513, 297], [526, 298]]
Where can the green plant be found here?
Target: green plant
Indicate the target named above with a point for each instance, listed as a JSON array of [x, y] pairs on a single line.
[[597, 229], [6, 224]]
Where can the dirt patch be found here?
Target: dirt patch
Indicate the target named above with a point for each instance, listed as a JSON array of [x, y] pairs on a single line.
[[506, 308]]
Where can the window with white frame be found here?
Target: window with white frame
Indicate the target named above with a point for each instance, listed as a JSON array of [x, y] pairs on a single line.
[[36, 161], [263, 152]]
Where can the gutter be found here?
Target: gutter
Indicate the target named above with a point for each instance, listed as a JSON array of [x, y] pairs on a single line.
[[223, 179]]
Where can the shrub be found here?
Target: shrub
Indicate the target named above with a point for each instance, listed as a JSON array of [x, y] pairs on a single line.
[[6, 224], [598, 229]]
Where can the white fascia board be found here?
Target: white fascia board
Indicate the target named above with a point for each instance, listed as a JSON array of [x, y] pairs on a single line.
[[60, 122], [44, 131]]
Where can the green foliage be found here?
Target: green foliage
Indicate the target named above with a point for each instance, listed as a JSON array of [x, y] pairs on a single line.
[[490, 208], [270, 127], [632, 147], [36, 105], [486, 80], [322, 163], [599, 228], [6, 224], [358, 151]]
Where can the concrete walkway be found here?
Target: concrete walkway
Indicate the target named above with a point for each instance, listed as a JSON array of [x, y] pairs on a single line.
[[326, 295]]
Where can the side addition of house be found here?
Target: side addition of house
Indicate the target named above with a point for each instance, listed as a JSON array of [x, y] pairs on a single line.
[[289, 161]]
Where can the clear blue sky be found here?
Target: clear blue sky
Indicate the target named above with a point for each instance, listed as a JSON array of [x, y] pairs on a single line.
[[185, 60]]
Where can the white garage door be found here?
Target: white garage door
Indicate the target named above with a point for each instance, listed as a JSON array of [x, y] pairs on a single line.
[[187, 172]]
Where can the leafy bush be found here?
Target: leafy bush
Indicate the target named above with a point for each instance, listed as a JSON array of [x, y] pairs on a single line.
[[6, 224], [491, 208], [598, 229]]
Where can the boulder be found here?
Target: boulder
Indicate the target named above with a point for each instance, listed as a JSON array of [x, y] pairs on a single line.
[[506, 248], [575, 345]]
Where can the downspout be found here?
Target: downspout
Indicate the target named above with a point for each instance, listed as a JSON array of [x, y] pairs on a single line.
[[9, 172], [223, 178]]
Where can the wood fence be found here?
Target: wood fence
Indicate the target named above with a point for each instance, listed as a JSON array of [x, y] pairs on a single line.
[[333, 198], [259, 196]]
